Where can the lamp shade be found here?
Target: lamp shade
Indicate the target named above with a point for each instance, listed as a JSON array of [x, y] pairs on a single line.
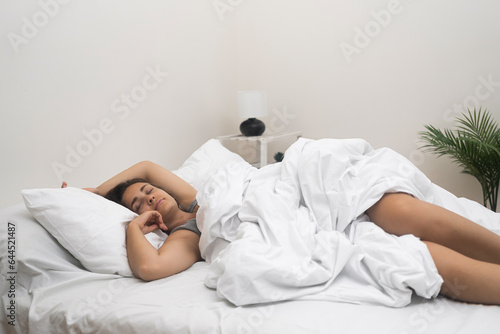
[[252, 103]]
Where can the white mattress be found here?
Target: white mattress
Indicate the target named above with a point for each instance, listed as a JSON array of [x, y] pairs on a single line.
[[54, 294]]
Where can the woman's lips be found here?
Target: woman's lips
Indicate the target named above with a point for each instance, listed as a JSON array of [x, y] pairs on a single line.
[[158, 203]]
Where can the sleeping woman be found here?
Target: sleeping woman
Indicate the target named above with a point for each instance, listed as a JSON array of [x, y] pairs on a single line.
[[462, 250]]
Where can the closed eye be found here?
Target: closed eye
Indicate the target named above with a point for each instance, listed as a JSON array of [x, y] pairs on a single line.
[[147, 192], [136, 210]]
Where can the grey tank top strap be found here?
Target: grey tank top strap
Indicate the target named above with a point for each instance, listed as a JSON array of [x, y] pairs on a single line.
[[192, 206], [190, 225]]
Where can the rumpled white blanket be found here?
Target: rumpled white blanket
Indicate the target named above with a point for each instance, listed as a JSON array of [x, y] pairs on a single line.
[[297, 229]]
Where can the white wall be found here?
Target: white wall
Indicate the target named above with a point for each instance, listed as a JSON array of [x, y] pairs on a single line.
[[422, 59], [73, 72], [77, 70]]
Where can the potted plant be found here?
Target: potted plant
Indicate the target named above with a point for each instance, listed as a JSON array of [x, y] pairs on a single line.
[[474, 146], [278, 156]]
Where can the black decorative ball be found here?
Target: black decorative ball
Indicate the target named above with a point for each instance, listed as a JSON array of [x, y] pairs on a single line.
[[252, 127]]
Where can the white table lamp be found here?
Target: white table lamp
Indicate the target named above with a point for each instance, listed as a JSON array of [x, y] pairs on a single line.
[[252, 104]]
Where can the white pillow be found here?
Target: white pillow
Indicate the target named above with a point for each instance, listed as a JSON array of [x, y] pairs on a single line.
[[89, 226], [202, 165], [92, 228]]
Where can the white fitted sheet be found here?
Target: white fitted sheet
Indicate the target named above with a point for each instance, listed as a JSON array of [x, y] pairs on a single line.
[[54, 294]]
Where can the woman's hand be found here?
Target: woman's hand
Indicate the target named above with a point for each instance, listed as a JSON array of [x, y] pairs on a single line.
[[149, 221]]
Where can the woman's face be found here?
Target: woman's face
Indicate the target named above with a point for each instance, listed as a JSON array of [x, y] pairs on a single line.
[[141, 197]]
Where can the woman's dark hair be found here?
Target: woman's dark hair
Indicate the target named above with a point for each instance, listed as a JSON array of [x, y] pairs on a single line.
[[116, 193]]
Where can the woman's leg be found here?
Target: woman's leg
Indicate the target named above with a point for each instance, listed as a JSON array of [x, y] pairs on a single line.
[[401, 214], [464, 278]]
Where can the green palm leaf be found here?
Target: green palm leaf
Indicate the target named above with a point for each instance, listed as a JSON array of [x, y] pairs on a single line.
[[474, 146]]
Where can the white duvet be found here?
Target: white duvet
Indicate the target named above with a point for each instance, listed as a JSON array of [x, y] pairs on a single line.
[[297, 229]]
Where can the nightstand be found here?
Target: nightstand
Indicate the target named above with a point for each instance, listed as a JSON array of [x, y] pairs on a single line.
[[262, 142]]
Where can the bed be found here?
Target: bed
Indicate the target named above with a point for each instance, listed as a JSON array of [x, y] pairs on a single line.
[[49, 290]]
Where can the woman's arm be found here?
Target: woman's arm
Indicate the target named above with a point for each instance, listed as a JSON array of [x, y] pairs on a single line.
[[178, 253], [180, 190]]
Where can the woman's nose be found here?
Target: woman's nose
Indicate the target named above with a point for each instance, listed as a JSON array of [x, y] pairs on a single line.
[[151, 199]]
